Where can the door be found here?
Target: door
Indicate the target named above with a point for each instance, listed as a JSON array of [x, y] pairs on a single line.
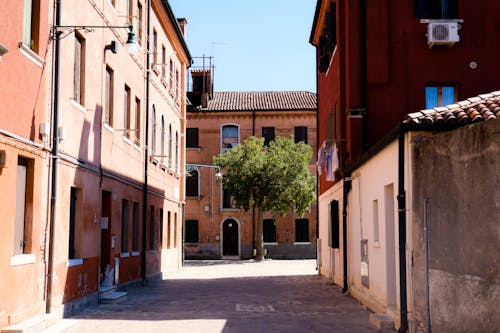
[[230, 238], [105, 232]]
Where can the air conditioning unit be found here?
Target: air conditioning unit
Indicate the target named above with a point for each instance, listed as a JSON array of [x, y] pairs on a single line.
[[442, 33]]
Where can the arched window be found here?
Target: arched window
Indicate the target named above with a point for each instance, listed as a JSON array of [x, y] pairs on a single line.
[[170, 142], [230, 136], [176, 167], [153, 132], [162, 143]]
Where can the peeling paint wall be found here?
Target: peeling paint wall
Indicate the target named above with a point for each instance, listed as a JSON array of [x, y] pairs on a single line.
[[456, 193]]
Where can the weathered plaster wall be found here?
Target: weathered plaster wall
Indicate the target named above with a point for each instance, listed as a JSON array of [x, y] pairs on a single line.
[[456, 182]]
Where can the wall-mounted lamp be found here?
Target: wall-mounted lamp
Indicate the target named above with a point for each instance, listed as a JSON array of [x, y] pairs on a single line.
[[113, 47], [130, 44], [3, 50]]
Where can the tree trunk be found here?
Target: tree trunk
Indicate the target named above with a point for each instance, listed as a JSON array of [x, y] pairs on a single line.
[[259, 235]]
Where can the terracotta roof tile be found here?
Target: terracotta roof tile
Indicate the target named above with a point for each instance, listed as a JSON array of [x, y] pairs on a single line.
[[475, 109], [261, 101]]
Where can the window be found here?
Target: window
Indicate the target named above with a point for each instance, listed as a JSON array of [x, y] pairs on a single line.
[[161, 229], [152, 228], [301, 230], [108, 96], [162, 139], [230, 137], [163, 59], [169, 230], [175, 230], [328, 40], [436, 9], [300, 134], [24, 206], [269, 231], [31, 24], [375, 221], [332, 124], [268, 135], [130, 14], [177, 84], [139, 23], [126, 111], [176, 166], [334, 224], [72, 223], [124, 243], [227, 200], [155, 48], [135, 227], [439, 95], [192, 138], [137, 121], [170, 143], [79, 70], [171, 76], [191, 231], [153, 132], [192, 183]]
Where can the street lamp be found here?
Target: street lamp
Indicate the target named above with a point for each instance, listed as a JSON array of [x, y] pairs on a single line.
[[218, 174]]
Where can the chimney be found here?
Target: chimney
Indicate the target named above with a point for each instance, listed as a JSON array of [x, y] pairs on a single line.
[[182, 24]]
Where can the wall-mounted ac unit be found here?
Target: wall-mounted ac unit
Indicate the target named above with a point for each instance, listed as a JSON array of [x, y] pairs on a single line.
[[442, 33]]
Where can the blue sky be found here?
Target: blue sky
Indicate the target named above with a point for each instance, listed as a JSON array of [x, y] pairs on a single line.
[[258, 45]]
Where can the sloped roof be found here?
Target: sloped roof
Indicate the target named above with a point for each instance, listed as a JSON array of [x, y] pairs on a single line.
[[261, 101], [472, 110]]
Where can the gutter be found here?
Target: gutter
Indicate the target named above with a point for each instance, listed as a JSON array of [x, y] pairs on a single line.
[[55, 157], [402, 233], [146, 150]]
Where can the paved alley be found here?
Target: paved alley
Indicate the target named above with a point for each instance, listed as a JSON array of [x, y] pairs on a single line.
[[230, 296]]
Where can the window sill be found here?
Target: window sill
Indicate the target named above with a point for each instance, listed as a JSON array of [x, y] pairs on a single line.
[[376, 244], [31, 55], [135, 253], [22, 259], [136, 147], [124, 254], [194, 148], [230, 209], [441, 20], [270, 243], [77, 105], [301, 243], [127, 140], [193, 197], [191, 244], [108, 127], [74, 262]]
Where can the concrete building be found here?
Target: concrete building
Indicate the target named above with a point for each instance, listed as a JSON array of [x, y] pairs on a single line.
[[375, 64], [108, 210], [214, 228]]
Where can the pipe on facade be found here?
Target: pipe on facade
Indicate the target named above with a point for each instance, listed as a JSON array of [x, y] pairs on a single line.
[[402, 233], [55, 156], [146, 149], [364, 69], [346, 189], [427, 291]]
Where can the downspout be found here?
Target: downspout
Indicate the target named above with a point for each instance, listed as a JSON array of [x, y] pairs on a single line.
[[146, 150], [402, 233], [55, 154], [347, 188], [364, 65]]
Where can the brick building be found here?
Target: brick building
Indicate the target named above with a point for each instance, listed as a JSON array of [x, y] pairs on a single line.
[[213, 227]]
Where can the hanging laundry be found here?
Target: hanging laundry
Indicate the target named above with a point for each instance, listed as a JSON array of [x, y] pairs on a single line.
[[332, 162], [321, 162]]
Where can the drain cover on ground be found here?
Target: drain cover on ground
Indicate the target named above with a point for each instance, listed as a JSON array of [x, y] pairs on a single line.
[[254, 308]]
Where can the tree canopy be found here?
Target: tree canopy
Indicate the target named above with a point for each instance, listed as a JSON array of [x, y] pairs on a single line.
[[273, 178]]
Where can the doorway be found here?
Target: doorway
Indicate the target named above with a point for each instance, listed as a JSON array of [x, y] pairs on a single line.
[[230, 238], [105, 232]]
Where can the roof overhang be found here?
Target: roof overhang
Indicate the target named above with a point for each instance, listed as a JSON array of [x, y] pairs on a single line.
[[322, 7]]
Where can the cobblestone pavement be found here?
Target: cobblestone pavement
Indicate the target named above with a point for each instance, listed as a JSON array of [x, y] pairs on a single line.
[[231, 296]]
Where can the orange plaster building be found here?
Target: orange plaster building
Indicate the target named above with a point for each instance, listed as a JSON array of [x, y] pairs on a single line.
[[106, 211], [214, 228]]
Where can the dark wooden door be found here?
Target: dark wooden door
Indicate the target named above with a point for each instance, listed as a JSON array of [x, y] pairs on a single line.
[[105, 231], [230, 238]]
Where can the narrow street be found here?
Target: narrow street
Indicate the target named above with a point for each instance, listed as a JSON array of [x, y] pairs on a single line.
[[229, 296]]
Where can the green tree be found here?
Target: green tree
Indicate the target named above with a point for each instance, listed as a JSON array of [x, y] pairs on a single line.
[[272, 179]]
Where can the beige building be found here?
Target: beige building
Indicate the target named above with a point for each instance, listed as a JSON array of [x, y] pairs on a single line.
[[214, 228]]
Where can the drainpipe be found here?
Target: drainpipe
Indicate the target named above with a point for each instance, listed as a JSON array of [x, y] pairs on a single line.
[[363, 51], [146, 151], [347, 188], [55, 155], [402, 233]]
